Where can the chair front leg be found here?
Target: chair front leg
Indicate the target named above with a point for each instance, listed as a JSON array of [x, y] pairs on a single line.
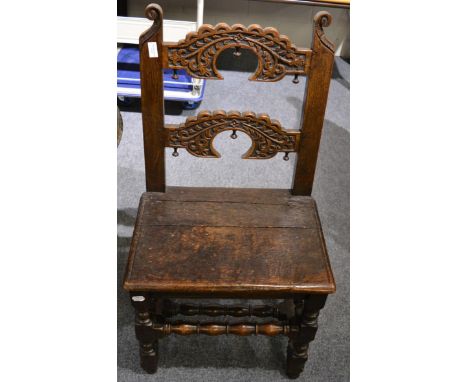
[[144, 331], [306, 316]]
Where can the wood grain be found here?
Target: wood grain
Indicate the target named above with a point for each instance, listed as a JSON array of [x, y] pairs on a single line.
[[229, 243], [182, 247], [197, 134], [172, 308], [298, 346], [216, 329], [144, 332], [152, 101], [198, 52], [315, 103]]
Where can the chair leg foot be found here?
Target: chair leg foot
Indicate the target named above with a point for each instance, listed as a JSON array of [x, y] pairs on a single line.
[[144, 331], [296, 359], [149, 357], [307, 312]]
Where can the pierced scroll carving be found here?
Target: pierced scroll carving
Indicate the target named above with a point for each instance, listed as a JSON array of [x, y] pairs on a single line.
[[196, 135], [198, 52]]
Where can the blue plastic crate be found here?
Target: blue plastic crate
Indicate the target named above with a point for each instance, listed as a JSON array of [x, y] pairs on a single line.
[[128, 80]]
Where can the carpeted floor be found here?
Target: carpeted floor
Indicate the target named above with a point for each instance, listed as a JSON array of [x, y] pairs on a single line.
[[203, 358]]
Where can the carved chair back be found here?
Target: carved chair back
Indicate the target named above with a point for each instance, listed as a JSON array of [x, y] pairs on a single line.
[[197, 54]]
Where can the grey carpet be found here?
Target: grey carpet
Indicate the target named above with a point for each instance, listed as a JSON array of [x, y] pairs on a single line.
[[202, 358]]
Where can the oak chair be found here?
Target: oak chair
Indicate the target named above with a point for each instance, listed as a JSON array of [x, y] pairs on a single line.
[[230, 243]]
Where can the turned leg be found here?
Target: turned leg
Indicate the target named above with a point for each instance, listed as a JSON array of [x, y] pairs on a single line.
[[306, 316], [142, 302]]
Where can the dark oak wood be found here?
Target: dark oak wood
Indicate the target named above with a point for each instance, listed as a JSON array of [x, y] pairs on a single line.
[[229, 243], [315, 103], [264, 248], [196, 135], [198, 52], [152, 100], [307, 312], [216, 329], [172, 308], [144, 332]]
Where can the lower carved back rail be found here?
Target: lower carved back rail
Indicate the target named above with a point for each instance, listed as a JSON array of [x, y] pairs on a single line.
[[197, 134]]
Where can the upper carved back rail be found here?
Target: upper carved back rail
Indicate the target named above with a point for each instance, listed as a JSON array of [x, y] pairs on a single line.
[[197, 54]]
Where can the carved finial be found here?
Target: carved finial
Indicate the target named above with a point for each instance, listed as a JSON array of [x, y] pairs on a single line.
[[322, 19], [153, 12]]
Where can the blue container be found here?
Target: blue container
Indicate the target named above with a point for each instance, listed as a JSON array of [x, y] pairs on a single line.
[[185, 88]]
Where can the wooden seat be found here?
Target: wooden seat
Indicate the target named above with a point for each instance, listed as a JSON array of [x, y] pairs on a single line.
[[225, 242], [230, 243]]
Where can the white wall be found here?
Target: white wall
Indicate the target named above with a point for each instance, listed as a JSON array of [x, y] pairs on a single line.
[[295, 21]]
